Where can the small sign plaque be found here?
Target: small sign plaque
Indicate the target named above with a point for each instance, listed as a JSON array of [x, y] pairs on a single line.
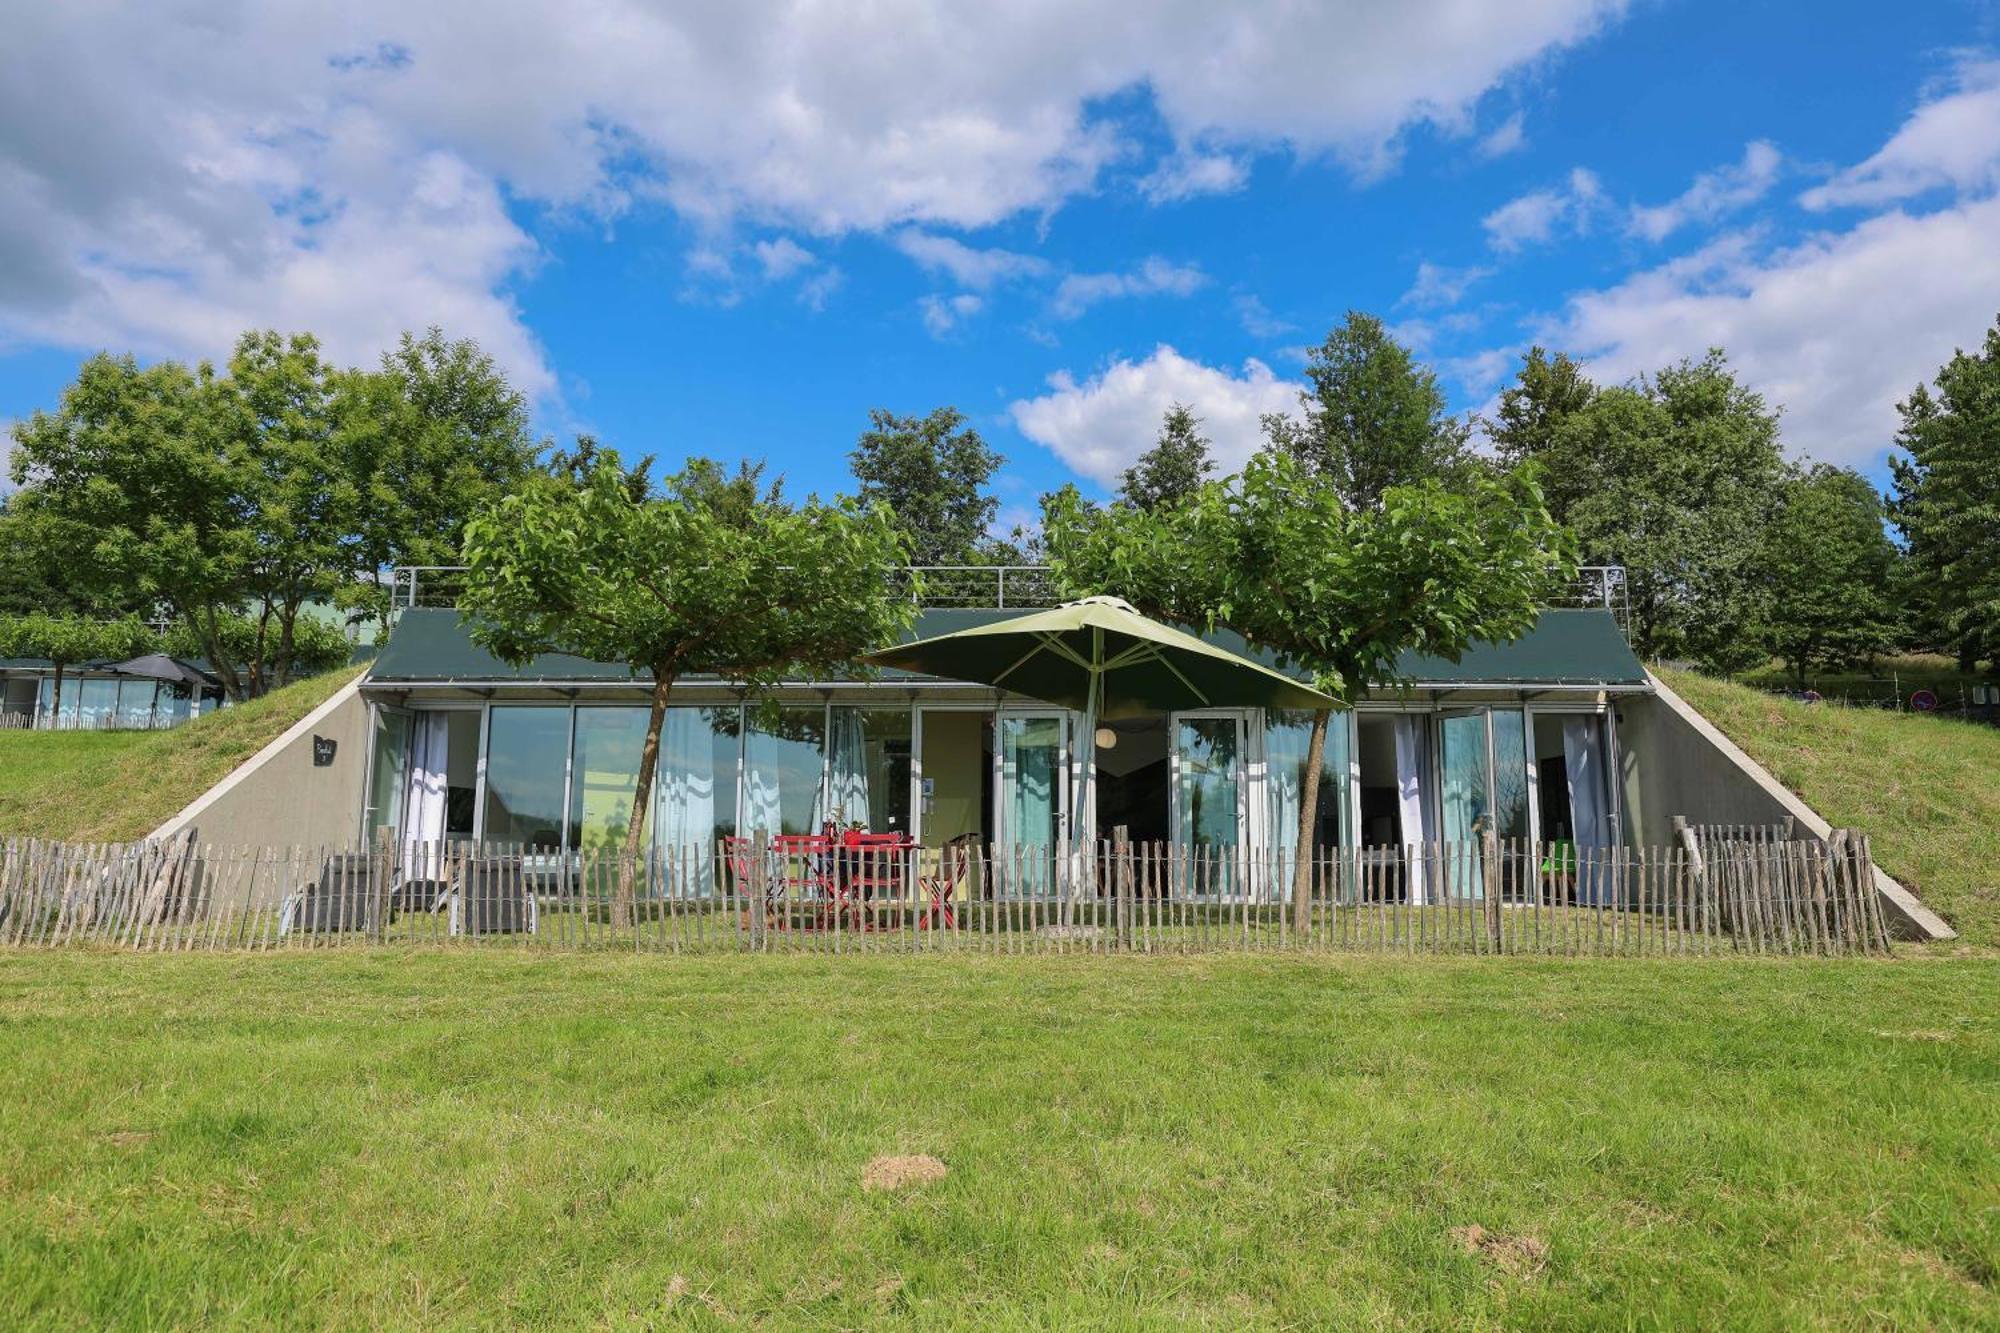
[[323, 748]]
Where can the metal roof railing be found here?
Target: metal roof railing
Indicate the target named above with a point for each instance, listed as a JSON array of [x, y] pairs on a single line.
[[999, 587]]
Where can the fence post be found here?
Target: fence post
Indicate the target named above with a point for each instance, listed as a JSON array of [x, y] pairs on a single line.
[[760, 875], [1490, 856], [1121, 878]]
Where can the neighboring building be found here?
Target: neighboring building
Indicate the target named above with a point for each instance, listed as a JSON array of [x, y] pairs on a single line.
[[94, 698]]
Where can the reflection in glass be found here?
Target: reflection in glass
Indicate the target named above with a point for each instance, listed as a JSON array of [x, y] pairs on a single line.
[[604, 775], [782, 759], [1465, 799], [695, 784], [1031, 770], [527, 751], [1510, 773], [1287, 736]]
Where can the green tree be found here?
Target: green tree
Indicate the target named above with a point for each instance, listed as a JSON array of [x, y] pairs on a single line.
[[590, 559], [302, 502], [1947, 499], [32, 572], [66, 640], [137, 483], [1174, 467], [435, 434], [1674, 477], [1546, 393], [1280, 555], [931, 472], [1831, 571], [1373, 416]]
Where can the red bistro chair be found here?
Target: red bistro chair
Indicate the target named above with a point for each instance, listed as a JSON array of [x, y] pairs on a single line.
[[803, 870], [874, 865]]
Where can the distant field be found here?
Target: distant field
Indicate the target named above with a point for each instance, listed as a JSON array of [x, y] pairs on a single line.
[[117, 785], [1891, 678], [1925, 789], [440, 1138]]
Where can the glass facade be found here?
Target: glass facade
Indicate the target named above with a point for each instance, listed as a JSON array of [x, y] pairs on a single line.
[[784, 753], [527, 756], [604, 775], [1287, 737], [563, 775], [868, 768]]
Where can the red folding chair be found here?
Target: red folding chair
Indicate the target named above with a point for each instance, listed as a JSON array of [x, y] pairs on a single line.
[[803, 872]]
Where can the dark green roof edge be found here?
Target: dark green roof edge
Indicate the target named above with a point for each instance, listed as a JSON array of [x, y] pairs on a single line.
[[1574, 648]]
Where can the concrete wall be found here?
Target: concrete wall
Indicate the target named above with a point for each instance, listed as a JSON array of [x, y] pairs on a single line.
[[279, 797], [1676, 762]]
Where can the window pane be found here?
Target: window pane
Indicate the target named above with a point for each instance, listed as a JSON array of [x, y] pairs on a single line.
[[1031, 776], [1210, 776], [605, 775], [135, 703], [526, 752], [870, 763], [1510, 773], [1287, 735], [696, 779], [782, 767], [99, 701]]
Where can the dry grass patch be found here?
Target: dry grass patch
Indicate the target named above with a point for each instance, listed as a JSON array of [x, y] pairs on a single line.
[[897, 1173]]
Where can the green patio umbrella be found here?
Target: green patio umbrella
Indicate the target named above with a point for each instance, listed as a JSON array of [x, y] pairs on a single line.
[[1105, 660]]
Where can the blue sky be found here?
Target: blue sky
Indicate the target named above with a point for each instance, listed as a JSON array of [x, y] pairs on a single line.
[[733, 230]]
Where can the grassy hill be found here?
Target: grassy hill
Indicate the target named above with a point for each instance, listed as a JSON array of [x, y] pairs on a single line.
[[1925, 789], [112, 786]]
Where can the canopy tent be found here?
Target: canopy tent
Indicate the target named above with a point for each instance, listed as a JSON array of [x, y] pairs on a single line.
[[1102, 658]]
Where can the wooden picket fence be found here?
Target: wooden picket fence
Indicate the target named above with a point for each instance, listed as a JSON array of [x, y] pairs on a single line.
[[1717, 891]]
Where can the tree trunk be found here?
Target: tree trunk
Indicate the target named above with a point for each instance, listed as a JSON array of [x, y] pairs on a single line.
[[1308, 817], [288, 617], [635, 829], [55, 700]]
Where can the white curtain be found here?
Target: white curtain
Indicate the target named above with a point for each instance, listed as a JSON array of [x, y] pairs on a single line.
[[1414, 809], [846, 797], [763, 807], [1590, 820], [685, 781], [423, 812]]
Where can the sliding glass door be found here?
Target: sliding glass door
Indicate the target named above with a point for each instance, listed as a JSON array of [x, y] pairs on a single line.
[[1031, 787]]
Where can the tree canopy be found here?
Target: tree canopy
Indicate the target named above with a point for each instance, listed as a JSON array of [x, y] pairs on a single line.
[[1947, 499], [281, 481], [1830, 571], [1372, 416], [67, 640], [1280, 555], [1675, 478], [687, 577], [931, 472], [1174, 467]]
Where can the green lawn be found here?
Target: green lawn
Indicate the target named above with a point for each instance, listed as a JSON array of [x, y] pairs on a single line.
[[1925, 789], [433, 1137], [113, 786]]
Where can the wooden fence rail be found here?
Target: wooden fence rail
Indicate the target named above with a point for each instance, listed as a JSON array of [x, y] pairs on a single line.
[[1715, 893]]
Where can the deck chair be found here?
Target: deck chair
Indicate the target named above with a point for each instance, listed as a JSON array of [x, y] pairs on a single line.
[[341, 899], [954, 865], [490, 897]]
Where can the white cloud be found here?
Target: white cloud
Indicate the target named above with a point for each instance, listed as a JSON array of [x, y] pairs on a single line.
[[815, 291], [1713, 194], [942, 314], [1835, 329], [1538, 216], [1189, 173], [1951, 141], [1101, 425], [1437, 285], [172, 173], [967, 266], [1257, 319], [1154, 277], [1509, 136], [782, 257]]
